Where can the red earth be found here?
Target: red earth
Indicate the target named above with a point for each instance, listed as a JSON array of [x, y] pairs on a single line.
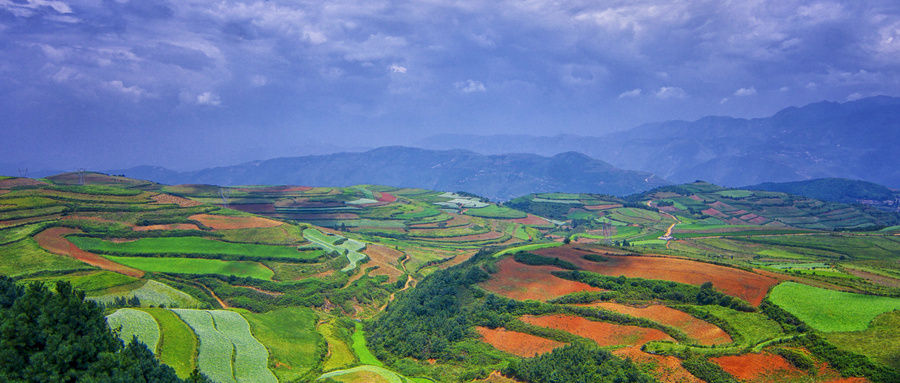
[[605, 334], [667, 369], [53, 241], [517, 343], [703, 332], [748, 286], [522, 282]]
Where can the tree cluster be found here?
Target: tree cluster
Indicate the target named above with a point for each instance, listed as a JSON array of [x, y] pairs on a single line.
[[58, 337]]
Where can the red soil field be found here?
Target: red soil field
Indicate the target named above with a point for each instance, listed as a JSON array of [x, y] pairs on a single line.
[[747, 217], [386, 197], [722, 206], [696, 198], [750, 366], [517, 343], [605, 334], [748, 286], [738, 212], [704, 332], [221, 222], [254, 207], [667, 369], [456, 221], [531, 219], [13, 182], [171, 226], [758, 220], [495, 377], [4, 191], [602, 207], [162, 199], [735, 221], [386, 259], [714, 213], [52, 241], [521, 282]]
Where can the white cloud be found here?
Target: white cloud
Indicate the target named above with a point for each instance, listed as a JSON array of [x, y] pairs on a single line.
[[668, 92], [630, 93], [397, 69], [854, 96], [120, 87], [26, 9], [208, 98], [744, 92], [470, 86]]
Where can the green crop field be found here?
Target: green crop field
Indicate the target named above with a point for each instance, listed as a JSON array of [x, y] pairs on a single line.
[[291, 337], [179, 344], [216, 352], [14, 234], [188, 245], [340, 354], [494, 211], [359, 346], [26, 257], [251, 358], [878, 342], [91, 282], [357, 374], [151, 293], [752, 327], [829, 310], [196, 266], [735, 193], [130, 323]]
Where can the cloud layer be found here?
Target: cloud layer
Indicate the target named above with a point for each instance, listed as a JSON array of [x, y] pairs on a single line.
[[219, 81]]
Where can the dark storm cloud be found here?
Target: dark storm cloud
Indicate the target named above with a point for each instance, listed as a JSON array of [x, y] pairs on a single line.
[[354, 72]]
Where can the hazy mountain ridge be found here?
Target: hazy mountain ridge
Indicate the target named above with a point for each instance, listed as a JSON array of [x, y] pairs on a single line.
[[826, 139], [498, 177]]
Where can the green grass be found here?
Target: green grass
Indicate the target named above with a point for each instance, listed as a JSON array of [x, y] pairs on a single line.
[[151, 293], [17, 233], [26, 257], [829, 310], [357, 373], [754, 328], [291, 337], [89, 281], [878, 342], [188, 245], [495, 211], [340, 354], [196, 266], [735, 193], [130, 322], [279, 235], [359, 346], [178, 346], [216, 352], [251, 358]]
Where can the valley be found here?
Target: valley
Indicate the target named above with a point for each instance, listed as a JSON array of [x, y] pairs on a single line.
[[267, 283]]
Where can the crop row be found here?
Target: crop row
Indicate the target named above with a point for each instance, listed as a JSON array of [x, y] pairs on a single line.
[[228, 352]]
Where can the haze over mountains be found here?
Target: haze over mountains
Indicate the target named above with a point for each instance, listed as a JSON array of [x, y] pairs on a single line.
[[499, 177], [854, 140]]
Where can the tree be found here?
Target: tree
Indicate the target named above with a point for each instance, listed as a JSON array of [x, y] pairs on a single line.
[[58, 337]]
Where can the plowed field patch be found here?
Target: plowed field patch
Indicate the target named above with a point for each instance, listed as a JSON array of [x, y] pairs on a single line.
[[750, 366], [703, 332], [221, 222], [605, 334], [667, 369], [171, 199], [521, 282], [386, 259], [748, 286], [517, 343], [52, 240]]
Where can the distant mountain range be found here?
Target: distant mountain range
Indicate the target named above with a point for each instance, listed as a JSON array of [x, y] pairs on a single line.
[[838, 190], [498, 177], [856, 140]]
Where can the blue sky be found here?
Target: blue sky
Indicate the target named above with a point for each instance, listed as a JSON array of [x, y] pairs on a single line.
[[188, 84]]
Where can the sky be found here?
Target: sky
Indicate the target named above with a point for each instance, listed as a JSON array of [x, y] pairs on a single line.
[[189, 84]]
